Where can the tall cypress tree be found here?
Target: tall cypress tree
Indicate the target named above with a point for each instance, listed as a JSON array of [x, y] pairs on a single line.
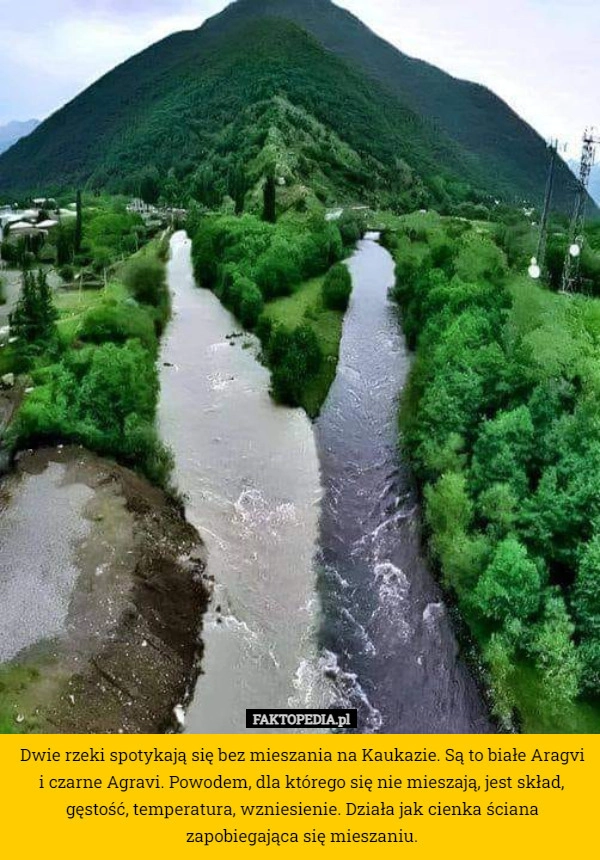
[[78, 224], [34, 317], [270, 199]]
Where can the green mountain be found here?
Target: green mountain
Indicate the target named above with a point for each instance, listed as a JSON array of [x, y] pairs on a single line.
[[299, 86]]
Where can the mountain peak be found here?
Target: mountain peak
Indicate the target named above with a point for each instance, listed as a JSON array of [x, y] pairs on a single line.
[[372, 111]]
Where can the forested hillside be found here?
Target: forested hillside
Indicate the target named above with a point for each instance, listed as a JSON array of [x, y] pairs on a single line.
[[331, 104], [509, 155]]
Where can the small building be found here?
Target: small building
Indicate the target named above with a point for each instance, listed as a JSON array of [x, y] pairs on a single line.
[[44, 202]]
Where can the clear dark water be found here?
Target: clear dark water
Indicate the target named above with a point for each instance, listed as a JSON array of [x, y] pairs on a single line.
[[387, 646]]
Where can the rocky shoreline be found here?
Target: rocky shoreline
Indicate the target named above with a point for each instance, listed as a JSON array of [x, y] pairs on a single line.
[[128, 650]]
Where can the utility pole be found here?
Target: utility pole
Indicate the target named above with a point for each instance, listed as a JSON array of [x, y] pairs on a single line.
[[543, 240], [570, 278]]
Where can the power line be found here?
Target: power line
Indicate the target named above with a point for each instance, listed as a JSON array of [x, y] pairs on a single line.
[[543, 240]]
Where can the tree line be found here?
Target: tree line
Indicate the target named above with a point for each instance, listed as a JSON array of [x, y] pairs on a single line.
[[249, 262], [502, 423]]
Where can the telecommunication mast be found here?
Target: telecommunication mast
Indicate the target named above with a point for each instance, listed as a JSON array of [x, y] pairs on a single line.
[[570, 278]]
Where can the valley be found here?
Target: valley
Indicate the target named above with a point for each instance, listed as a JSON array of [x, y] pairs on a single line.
[[281, 407]]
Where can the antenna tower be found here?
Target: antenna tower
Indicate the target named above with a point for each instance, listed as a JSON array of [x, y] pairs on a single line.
[[572, 266]]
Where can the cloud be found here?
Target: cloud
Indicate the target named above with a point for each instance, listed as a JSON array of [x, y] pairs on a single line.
[[73, 42], [535, 54]]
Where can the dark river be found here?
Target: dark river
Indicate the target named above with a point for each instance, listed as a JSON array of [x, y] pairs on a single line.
[[322, 594], [386, 642]]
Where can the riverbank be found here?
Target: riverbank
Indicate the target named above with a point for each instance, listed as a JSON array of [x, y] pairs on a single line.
[[270, 276], [100, 562], [249, 472], [115, 611], [500, 425]]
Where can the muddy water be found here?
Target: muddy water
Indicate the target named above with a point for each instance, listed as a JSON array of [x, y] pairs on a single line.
[[322, 596], [387, 646], [250, 472], [36, 587]]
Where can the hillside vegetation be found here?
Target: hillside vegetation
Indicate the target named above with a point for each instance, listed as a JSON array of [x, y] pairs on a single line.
[[502, 423], [301, 86], [91, 359]]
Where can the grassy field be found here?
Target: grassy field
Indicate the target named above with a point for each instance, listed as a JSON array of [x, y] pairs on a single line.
[[72, 306], [306, 306]]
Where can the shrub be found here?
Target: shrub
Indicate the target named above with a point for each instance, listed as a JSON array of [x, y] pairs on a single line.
[[145, 278], [118, 323], [337, 288], [67, 273]]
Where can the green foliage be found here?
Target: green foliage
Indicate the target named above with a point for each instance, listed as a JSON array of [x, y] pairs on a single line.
[[337, 77], [145, 278], [101, 390], [270, 199], [33, 320], [104, 398], [555, 654], [276, 258], [499, 656], [305, 307], [510, 585], [118, 323], [352, 226], [67, 273], [252, 265], [501, 422], [503, 451], [294, 357], [337, 288]]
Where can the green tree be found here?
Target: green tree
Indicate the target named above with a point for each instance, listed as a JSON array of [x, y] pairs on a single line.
[[33, 321], [78, 223], [511, 585], [145, 278], [555, 654], [119, 382], [499, 656], [337, 288], [270, 199]]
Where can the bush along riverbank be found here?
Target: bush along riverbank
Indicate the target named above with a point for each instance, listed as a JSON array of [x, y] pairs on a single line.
[[128, 651], [502, 424], [270, 275], [94, 375]]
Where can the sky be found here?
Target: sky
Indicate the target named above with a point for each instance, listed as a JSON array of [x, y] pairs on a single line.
[[538, 55]]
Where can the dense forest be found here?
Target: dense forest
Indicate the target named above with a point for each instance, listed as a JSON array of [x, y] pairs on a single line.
[[502, 425]]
